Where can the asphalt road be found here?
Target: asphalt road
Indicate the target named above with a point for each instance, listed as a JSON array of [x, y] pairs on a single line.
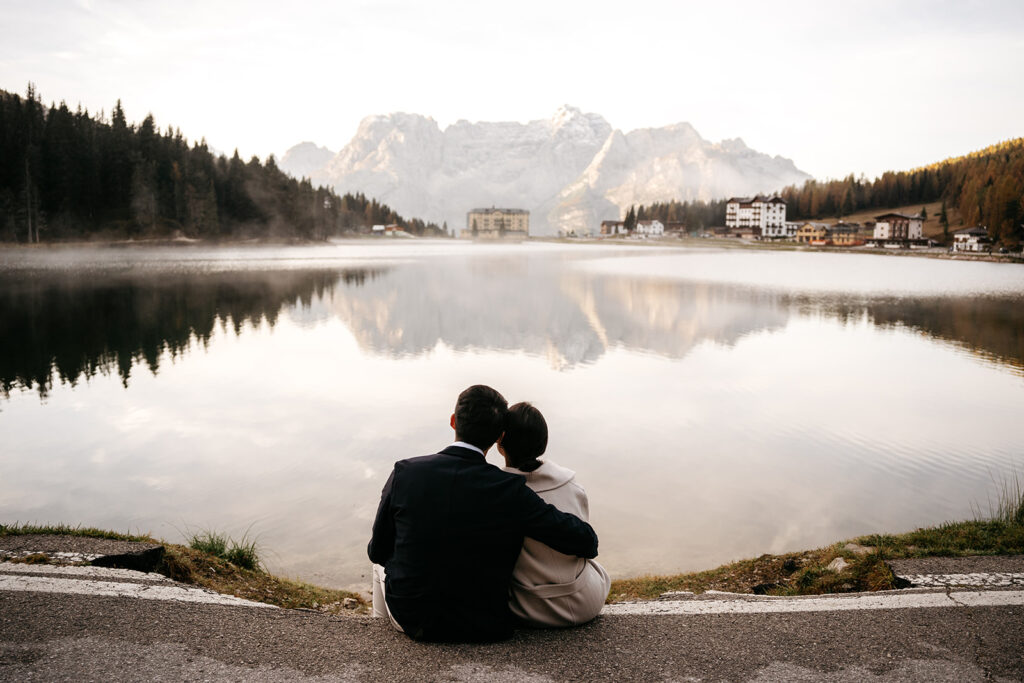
[[52, 636]]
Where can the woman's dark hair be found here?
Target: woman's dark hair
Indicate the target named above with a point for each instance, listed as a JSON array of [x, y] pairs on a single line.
[[480, 416], [526, 437]]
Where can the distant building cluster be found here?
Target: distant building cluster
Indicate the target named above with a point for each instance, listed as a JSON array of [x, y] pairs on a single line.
[[763, 218], [495, 223], [392, 230], [643, 228]]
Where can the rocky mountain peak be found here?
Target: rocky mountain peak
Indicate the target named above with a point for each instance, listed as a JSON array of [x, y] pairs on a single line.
[[570, 171]]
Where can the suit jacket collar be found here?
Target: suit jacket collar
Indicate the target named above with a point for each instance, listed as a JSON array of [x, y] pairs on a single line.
[[461, 452]]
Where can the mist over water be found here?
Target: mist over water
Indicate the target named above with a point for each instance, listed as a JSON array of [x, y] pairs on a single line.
[[715, 405]]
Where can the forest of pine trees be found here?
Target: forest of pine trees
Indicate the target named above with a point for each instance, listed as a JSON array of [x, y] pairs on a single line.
[[987, 187], [696, 215], [68, 175]]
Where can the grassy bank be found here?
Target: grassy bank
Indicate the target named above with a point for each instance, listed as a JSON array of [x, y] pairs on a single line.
[[864, 557], [218, 563]]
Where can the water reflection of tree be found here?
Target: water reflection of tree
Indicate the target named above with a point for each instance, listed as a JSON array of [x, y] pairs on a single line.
[[78, 325], [991, 327]]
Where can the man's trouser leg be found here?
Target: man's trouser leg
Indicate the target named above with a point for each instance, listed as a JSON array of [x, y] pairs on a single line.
[[380, 605]]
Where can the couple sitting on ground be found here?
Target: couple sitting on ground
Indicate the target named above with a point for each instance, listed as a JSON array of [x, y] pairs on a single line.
[[463, 550]]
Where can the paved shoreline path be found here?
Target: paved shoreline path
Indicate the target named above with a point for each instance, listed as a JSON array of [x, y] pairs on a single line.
[[63, 622]]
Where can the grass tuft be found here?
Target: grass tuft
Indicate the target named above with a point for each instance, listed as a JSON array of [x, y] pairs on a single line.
[[210, 542], [244, 553], [1008, 506]]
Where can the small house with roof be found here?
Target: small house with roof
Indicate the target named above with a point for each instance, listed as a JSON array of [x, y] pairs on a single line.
[[812, 233], [845, 235], [972, 239], [649, 228], [612, 228]]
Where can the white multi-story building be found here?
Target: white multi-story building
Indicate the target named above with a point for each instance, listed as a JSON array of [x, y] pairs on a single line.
[[766, 213], [651, 228], [898, 227]]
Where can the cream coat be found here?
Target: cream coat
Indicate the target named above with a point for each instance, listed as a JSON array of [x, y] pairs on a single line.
[[549, 588]]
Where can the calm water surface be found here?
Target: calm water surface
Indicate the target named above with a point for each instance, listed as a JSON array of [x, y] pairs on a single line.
[[715, 404]]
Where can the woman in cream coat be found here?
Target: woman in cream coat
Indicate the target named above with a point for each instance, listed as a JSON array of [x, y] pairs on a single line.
[[549, 588]]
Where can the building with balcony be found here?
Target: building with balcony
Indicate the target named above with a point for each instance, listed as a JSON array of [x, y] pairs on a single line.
[[766, 213], [494, 223], [895, 230]]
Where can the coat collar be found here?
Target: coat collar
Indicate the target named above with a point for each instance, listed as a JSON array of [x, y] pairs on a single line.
[[546, 477]]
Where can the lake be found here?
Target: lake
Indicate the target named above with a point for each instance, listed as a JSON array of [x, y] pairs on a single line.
[[716, 404]]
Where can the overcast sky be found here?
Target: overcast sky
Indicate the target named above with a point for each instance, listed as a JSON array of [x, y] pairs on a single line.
[[838, 87]]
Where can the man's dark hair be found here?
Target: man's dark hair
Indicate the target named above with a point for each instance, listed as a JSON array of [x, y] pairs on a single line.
[[526, 436], [480, 416]]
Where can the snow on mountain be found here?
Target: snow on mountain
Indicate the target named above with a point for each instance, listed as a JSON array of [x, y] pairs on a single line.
[[305, 158], [570, 171]]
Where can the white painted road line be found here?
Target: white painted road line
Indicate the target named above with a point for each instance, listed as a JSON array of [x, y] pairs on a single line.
[[66, 557], [179, 593], [85, 572], [996, 579], [18, 577], [826, 604]]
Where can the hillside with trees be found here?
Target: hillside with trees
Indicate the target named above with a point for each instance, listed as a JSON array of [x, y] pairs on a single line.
[[68, 175], [982, 188]]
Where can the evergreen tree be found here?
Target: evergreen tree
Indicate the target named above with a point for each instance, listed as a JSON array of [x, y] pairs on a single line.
[[65, 175], [630, 222], [944, 220]]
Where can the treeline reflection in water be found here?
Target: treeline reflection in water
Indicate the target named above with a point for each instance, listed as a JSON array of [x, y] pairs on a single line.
[[63, 327], [71, 326]]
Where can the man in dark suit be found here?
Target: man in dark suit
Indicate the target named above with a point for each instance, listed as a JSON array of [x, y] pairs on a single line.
[[449, 530]]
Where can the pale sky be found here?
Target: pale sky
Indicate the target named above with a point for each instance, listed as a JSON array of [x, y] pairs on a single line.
[[838, 87]]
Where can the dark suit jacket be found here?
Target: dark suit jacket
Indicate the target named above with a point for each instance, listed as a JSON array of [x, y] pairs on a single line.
[[448, 532]]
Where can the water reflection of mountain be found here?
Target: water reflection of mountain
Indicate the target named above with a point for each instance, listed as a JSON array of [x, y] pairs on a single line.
[[73, 325], [541, 309], [79, 323]]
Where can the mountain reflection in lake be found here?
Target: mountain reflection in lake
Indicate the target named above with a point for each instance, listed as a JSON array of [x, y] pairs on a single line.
[[708, 420]]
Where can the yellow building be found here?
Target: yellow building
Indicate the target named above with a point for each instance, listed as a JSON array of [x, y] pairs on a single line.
[[494, 223], [845, 235], [809, 233]]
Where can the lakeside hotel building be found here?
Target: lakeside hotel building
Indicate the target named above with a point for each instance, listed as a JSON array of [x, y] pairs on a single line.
[[494, 223], [766, 213]]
